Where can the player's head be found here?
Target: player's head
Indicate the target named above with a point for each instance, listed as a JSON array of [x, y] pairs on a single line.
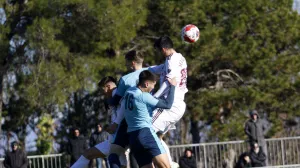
[[147, 81], [107, 84], [134, 60], [164, 44]]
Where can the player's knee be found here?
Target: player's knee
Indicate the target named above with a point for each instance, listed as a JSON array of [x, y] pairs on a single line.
[[165, 165]]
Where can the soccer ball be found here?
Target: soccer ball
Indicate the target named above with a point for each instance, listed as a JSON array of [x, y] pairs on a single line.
[[190, 33]]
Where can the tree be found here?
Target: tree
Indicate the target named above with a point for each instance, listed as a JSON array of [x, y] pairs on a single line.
[[247, 56], [62, 48]]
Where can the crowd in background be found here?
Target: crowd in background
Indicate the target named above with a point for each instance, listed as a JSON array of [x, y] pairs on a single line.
[[256, 156]]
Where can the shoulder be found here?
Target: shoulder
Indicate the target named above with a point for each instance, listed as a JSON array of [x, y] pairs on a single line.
[[22, 152], [146, 95], [182, 158], [248, 122], [7, 154], [123, 78], [82, 138], [176, 58], [132, 90]]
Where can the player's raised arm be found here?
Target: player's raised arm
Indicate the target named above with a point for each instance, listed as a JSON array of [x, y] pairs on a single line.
[[157, 69], [161, 103], [167, 103]]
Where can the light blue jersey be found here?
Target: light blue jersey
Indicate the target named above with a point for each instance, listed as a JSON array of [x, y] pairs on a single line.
[[138, 108], [129, 80]]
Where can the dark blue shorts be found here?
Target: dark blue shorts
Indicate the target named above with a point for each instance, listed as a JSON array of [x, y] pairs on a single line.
[[121, 136], [145, 145]]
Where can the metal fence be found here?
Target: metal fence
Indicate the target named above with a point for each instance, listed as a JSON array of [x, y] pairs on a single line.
[[42, 161], [283, 166], [280, 151]]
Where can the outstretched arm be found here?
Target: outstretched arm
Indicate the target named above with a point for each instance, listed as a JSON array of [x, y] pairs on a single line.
[[163, 89], [157, 69]]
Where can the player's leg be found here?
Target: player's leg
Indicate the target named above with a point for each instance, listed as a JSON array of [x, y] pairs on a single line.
[[141, 154], [147, 148], [118, 147], [164, 120], [117, 156], [160, 135], [88, 155], [161, 161], [101, 150]]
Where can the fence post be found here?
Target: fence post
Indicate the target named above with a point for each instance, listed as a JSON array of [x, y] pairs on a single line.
[[205, 162], [282, 152], [43, 162]]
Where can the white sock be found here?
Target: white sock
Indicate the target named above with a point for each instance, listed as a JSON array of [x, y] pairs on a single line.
[[167, 151], [81, 162]]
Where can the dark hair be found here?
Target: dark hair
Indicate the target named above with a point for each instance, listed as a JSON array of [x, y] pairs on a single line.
[[252, 144], [135, 56], [14, 143], [105, 80], [146, 75], [76, 128], [96, 125], [163, 42], [188, 149]]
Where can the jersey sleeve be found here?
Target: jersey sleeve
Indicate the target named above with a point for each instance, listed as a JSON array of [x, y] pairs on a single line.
[[121, 87], [120, 112], [162, 90], [157, 69], [148, 99]]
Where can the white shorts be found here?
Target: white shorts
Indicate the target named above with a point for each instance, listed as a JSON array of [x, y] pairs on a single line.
[[165, 119]]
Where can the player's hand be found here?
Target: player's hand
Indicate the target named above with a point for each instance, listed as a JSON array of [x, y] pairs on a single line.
[[172, 81], [112, 128]]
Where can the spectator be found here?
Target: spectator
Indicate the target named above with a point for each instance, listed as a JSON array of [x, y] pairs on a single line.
[[97, 137], [16, 158], [76, 145], [188, 160], [255, 129], [244, 161], [257, 156]]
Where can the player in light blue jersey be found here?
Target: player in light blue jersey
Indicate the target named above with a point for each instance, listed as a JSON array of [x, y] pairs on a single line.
[[134, 62], [139, 105]]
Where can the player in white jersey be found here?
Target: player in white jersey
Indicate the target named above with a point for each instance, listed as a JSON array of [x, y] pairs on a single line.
[[175, 66], [103, 149]]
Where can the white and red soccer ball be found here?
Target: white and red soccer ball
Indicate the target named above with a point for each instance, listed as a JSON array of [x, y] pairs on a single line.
[[190, 33]]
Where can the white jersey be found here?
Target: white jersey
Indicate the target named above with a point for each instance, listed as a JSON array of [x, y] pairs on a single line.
[[174, 66]]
